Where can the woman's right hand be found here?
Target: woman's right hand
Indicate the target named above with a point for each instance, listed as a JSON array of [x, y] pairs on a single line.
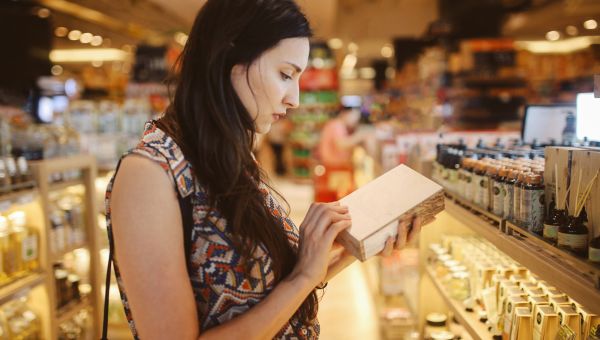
[[322, 224]]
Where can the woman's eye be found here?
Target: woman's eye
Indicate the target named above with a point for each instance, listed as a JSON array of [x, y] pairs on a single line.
[[285, 76]]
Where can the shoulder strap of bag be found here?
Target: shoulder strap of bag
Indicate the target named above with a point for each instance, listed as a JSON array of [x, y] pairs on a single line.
[[187, 218]]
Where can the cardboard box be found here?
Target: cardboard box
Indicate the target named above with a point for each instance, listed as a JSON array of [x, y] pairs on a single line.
[[545, 324], [376, 208], [561, 300], [535, 301], [522, 325], [568, 316], [512, 304], [587, 319]]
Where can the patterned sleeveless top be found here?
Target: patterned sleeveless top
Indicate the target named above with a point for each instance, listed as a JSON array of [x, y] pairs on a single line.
[[221, 289]]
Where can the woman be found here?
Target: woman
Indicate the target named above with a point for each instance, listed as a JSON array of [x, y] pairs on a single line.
[[249, 273]]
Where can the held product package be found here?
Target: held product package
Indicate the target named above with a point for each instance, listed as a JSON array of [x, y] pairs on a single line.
[[376, 208], [522, 325], [545, 324]]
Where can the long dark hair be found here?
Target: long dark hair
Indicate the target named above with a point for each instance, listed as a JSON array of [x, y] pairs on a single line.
[[216, 133]]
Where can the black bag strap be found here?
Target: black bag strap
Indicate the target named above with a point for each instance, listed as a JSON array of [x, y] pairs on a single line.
[[187, 219]]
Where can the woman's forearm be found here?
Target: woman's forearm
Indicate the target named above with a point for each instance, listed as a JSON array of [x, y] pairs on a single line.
[[268, 317]]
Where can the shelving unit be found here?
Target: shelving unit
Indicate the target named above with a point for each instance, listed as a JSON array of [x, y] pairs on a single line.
[[11, 289], [42, 171], [469, 320], [568, 273], [574, 276]]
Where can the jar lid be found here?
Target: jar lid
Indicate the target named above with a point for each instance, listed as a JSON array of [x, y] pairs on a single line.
[[436, 319], [443, 335]]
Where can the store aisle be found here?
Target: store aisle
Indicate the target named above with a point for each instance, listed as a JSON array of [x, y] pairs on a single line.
[[347, 309]]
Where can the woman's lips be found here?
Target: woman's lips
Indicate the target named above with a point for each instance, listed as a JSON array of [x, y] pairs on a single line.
[[277, 116]]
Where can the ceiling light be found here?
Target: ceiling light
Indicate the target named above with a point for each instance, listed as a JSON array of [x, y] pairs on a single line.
[[367, 73], [96, 40], [61, 32], [352, 47], [43, 13], [97, 63], [87, 55], [74, 35], [56, 70], [335, 43], [590, 24], [553, 35], [86, 38], [387, 51], [572, 30], [562, 46]]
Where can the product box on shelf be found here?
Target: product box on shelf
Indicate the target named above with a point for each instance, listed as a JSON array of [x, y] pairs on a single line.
[[588, 321], [512, 304], [569, 317], [377, 207], [545, 324], [523, 328]]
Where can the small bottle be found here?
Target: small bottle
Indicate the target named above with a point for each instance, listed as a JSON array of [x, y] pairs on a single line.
[[594, 250], [5, 250], [554, 219], [29, 244], [24, 172], [499, 191], [11, 170], [533, 204], [573, 236], [517, 198], [478, 175], [468, 178], [509, 188], [490, 173], [484, 187], [17, 234]]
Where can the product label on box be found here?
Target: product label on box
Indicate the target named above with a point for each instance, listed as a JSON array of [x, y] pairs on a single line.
[[594, 254], [550, 231], [573, 241]]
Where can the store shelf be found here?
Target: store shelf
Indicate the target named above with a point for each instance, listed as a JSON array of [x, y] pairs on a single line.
[[58, 256], [8, 291], [573, 276], [469, 320], [69, 311], [17, 197], [58, 186]]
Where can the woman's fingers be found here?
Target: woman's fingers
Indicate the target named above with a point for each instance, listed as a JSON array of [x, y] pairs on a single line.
[[318, 211], [403, 227], [389, 247], [334, 229], [416, 228]]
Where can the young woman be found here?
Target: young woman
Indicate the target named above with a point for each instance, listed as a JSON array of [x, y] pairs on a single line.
[[249, 272]]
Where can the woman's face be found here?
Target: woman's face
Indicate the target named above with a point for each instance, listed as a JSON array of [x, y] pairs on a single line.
[[270, 85]]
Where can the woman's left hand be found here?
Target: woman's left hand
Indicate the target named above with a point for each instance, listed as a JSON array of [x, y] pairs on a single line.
[[408, 229]]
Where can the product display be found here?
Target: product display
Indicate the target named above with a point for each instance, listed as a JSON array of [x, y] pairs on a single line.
[[19, 321], [515, 304], [19, 246]]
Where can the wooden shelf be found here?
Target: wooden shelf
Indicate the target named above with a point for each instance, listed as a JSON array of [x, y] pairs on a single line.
[[65, 184], [569, 274], [8, 291], [58, 256], [69, 311], [469, 320], [17, 197]]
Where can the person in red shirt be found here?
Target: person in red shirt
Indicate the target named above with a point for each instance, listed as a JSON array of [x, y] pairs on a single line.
[[335, 148]]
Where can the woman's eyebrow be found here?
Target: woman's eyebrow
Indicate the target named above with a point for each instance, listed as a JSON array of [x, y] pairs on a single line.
[[296, 67]]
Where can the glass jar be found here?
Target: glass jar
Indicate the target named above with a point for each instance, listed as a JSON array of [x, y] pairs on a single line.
[[573, 236]]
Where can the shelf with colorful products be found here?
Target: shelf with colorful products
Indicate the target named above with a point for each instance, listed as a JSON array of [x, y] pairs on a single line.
[[69, 211], [483, 285]]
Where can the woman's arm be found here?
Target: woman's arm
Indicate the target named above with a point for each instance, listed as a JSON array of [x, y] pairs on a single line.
[[148, 236]]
